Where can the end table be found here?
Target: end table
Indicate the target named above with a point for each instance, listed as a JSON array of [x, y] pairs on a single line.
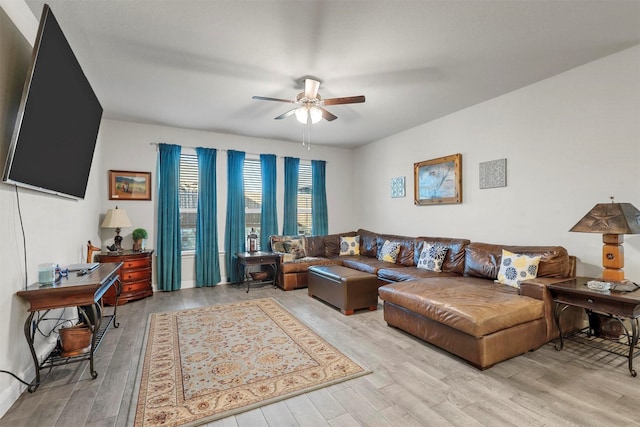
[[620, 303], [258, 258]]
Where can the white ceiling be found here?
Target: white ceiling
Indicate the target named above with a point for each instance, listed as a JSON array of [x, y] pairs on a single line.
[[196, 64]]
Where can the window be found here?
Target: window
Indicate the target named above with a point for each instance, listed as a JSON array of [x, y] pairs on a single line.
[[188, 195], [252, 196], [304, 198]]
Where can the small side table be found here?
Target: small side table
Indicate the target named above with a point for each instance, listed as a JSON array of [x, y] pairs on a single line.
[[259, 258], [617, 304]]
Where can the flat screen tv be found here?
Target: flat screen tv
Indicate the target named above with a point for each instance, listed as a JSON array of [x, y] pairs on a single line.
[[56, 128]]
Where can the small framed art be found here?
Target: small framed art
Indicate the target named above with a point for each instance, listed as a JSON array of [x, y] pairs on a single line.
[[493, 174], [397, 186], [129, 185]]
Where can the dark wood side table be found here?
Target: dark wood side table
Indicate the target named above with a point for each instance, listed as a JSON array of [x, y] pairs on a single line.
[[135, 275], [258, 258], [620, 303], [84, 292]]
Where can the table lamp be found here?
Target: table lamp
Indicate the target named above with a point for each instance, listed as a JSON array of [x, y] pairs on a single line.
[[613, 221], [116, 218]]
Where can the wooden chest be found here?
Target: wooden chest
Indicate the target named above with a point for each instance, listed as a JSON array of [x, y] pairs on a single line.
[[135, 275]]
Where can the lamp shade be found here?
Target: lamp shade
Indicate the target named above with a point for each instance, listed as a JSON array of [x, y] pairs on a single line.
[[610, 218], [116, 218]]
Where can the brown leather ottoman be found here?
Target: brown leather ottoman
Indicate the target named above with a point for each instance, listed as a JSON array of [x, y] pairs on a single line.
[[343, 287]]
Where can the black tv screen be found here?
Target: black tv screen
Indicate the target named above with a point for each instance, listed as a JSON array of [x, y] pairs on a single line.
[[57, 124]]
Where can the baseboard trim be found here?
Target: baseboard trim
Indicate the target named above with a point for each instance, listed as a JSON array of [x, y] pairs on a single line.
[[12, 393]]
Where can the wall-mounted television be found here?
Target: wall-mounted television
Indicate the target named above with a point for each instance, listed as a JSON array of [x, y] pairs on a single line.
[[57, 125]]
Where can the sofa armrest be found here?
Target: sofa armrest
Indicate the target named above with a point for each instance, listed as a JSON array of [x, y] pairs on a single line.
[[537, 288], [572, 318]]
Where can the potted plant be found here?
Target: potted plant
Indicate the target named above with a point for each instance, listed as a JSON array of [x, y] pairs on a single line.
[[139, 235]]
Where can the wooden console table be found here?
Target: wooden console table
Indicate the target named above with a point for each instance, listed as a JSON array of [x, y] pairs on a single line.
[[135, 275], [618, 305], [259, 258], [84, 292]]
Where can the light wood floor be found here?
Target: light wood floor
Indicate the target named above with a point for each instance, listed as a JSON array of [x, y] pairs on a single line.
[[412, 384]]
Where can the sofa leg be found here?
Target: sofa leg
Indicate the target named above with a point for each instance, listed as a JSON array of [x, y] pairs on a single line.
[[373, 308], [347, 312]]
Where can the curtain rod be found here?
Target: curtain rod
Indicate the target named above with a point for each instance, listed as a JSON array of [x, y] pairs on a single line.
[[224, 149]]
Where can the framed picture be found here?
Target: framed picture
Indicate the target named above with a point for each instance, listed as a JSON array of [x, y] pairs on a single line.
[[128, 185], [438, 181]]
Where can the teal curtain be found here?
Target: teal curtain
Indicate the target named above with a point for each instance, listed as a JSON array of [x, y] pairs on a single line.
[[168, 246], [234, 240], [290, 222], [207, 262], [269, 210], [319, 214]]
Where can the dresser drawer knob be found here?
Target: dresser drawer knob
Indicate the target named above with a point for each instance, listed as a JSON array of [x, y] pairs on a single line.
[[590, 301]]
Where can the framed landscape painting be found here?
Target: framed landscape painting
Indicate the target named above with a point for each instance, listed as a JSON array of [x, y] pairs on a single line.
[[128, 185], [438, 181]]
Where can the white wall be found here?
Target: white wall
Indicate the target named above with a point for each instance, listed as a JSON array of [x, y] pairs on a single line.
[[570, 141], [128, 147], [55, 229]]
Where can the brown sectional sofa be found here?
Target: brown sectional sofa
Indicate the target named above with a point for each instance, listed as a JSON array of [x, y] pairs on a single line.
[[460, 309]]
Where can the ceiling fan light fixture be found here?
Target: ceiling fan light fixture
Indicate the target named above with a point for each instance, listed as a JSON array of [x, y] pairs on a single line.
[[303, 113], [315, 114]]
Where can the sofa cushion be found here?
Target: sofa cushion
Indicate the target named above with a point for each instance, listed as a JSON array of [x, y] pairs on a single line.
[[515, 268], [366, 264], [276, 242], [368, 243], [295, 247], [389, 251], [303, 264], [278, 246], [349, 245], [332, 243], [483, 259], [471, 305], [454, 261], [314, 246], [432, 257], [410, 273], [405, 255]]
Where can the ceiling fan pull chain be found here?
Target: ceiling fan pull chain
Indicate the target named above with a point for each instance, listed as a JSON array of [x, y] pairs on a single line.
[[308, 126], [306, 133]]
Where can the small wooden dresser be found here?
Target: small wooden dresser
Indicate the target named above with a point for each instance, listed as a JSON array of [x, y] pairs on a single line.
[[135, 275]]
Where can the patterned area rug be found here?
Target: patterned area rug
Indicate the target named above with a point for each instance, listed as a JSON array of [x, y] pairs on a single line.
[[212, 362]]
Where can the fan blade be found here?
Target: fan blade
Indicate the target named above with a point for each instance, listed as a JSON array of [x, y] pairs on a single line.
[[327, 115], [345, 100], [287, 114], [311, 88], [266, 98]]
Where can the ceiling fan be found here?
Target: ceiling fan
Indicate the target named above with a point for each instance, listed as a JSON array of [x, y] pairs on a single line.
[[310, 105]]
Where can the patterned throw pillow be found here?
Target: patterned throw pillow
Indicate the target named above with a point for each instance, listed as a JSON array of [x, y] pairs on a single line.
[[295, 247], [432, 257], [514, 268], [349, 245], [278, 246], [389, 251]]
